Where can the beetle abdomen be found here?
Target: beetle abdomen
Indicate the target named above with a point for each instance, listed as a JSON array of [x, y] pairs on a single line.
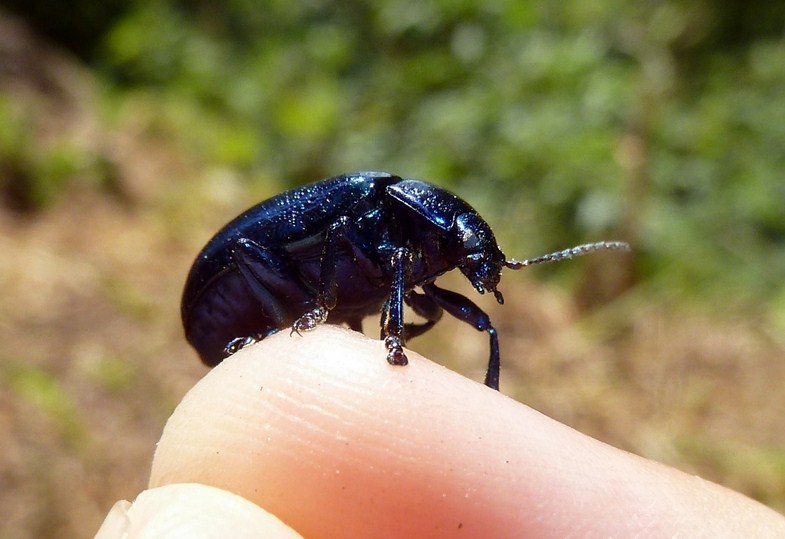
[[226, 310]]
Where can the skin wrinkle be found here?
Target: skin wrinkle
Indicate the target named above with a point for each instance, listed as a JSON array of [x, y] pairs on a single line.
[[316, 414], [283, 403], [348, 418]]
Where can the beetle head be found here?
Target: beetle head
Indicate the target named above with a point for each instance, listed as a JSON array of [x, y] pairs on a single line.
[[481, 260]]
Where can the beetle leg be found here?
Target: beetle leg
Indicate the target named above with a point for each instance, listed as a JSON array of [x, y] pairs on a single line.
[[356, 325], [262, 271], [337, 232], [384, 321], [309, 320], [238, 343], [467, 311], [340, 232], [421, 305], [424, 306], [327, 291], [392, 313]]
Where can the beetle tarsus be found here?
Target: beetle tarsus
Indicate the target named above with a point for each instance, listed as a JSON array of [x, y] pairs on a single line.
[[395, 353], [309, 320], [237, 344], [494, 363]]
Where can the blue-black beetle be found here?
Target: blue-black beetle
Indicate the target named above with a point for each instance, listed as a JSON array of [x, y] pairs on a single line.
[[347, 247]]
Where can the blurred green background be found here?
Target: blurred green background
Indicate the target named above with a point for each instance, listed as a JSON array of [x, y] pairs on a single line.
[[130, 131]]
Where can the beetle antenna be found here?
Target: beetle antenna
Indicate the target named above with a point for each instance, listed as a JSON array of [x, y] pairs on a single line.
[[578, 250]]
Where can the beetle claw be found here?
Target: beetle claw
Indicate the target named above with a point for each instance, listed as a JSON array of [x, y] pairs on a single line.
[[395, 354], [237, 344], [309, 320]]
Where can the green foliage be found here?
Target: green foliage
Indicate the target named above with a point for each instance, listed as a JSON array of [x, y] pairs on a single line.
[[658, 121], [45, 394], [33, 174]]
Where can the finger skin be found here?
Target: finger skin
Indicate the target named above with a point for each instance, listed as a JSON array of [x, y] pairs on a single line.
[[320, 431]]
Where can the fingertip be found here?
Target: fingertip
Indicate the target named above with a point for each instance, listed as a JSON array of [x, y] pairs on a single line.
[[322, 431]]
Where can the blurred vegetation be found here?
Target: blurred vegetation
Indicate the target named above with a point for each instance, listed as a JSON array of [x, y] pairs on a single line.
[[662, 122], [131, 130]]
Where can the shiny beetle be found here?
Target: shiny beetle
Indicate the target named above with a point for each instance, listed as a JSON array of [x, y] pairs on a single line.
[[338, 250]]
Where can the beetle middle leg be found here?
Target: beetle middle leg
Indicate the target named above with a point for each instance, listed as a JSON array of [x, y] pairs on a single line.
[[340, 233], [467, 311], [326, 298]]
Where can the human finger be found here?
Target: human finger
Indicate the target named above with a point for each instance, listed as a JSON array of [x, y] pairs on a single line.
[[322, 432]]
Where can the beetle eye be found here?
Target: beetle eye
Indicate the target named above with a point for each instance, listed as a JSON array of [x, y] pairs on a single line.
[[472, 233], [471, 242]]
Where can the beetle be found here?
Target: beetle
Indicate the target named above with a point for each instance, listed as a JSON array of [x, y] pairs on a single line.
[[343, 248]]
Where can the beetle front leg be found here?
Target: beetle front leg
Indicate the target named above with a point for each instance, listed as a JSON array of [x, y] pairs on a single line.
[[467, 311], [392, 316], [421, 305]]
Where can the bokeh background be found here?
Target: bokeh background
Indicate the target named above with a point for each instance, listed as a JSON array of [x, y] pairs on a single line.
[[131, 130]]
